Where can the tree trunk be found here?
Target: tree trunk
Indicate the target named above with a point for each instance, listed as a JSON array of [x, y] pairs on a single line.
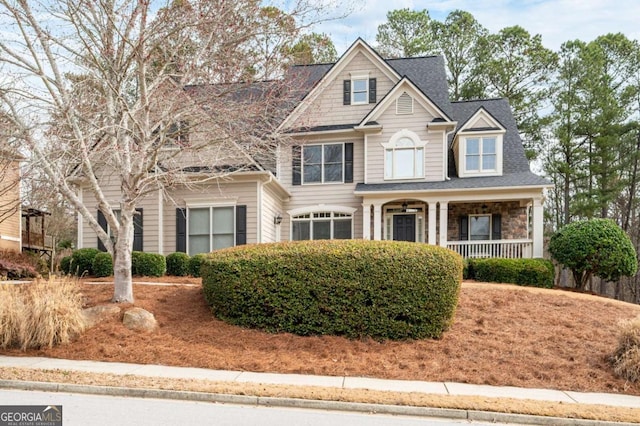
[[123, 283]]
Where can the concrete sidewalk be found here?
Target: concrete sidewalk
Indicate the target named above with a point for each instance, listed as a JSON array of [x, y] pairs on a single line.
[[441, 388]]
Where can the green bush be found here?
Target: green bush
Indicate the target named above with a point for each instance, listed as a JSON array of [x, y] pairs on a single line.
[[528, 272], [148, 264], [355, 288], [178, 264], [82, 261], [102, 265], [594, 247], [65, 265], [195, 264]]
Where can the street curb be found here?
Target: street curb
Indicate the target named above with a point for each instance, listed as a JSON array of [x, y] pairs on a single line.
[[400, 410]]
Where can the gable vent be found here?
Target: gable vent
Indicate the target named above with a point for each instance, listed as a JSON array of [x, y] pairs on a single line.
[[404, 104]]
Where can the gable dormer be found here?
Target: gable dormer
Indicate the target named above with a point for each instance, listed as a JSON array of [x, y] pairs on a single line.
[[478, 146]]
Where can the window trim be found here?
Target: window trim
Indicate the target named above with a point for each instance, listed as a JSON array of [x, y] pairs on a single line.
[[210, 206], [322, 164], [321, 208], [488, 215], [463, 172], [418, 145], [358, 77], [181, 139]]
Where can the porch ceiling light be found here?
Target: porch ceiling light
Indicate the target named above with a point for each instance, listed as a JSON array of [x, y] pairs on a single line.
[[404, 207]]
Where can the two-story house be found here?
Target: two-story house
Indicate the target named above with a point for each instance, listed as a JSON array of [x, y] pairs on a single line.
[[373, 150]]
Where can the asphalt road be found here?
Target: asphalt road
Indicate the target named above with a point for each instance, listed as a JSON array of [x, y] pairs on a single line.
[[96, 410]]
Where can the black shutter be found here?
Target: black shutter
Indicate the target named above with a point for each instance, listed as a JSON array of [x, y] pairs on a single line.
[[496, 227], [464, 227], [296, 152], [181, 230], [346, 92], [137, 231], [241, 225], [372, 91], [348, 162], [102, 221]]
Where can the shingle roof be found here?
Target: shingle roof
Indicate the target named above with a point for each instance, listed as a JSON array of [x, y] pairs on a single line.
[[506, 180], [514, 157]]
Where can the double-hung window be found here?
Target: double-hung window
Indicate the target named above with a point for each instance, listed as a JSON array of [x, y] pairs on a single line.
[[360, 91], [210, 228], [323, 163], [322, 226], [481, 154]]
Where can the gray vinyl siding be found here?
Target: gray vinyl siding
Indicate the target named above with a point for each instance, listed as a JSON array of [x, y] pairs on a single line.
[[328, 108], [271, 206], [417, 123], [229, 193], [149, 204], [331, 194]]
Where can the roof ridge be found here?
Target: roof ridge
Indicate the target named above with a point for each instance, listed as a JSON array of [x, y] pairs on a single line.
[[478, 100]]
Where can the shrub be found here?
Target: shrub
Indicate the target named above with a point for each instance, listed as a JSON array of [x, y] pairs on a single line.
[[39, 314], [15, 266], [626, 359], [594, 247], [65, 265], [148, 264], [102, 265], [178, 264], [528, 272], [195, 264], [82, 261], [382, 289]]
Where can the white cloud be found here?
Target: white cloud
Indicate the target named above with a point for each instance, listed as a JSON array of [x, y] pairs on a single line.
[[556, 20]]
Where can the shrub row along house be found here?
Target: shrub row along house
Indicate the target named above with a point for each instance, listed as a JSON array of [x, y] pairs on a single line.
[[375, 150]]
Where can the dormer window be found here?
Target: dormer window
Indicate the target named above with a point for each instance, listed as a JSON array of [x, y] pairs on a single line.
[[359, 90], [404, 156], [481, 155]]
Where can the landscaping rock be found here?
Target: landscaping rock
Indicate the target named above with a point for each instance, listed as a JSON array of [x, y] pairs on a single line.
[[96, 314], [138, 319]]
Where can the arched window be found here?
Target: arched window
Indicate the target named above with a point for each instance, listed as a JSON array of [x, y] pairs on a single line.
[[404, 156], [322, 223]]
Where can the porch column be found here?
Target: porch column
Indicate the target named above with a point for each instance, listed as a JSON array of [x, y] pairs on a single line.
[[377, 221], [432, 222], [366, 221], [538, 227], [444, 216]]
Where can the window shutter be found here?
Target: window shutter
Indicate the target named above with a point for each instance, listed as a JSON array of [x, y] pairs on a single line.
[[241, 225], [348, 162], [346, 95], [137, 231], [464, 227], [296, 152], [496, 227], [372, 91], [102, 221], [181, 230]]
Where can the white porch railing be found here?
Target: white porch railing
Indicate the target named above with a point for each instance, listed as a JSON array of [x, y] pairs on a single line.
[[513, 249]]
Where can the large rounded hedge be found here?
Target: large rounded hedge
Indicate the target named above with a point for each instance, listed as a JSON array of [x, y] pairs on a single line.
[[354, 288]]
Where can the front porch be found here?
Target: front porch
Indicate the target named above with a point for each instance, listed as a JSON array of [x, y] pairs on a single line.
[[509, 227]]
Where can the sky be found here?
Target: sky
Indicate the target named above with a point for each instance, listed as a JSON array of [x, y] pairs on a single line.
[[555, 20]]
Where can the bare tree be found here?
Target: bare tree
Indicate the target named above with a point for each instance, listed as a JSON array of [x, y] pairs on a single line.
[[105, 89]]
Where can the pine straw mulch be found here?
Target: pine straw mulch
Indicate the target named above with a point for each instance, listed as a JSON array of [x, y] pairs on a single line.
[[502, 335]]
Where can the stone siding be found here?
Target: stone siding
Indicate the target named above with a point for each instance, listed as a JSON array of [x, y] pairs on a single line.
[[514, 218]]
